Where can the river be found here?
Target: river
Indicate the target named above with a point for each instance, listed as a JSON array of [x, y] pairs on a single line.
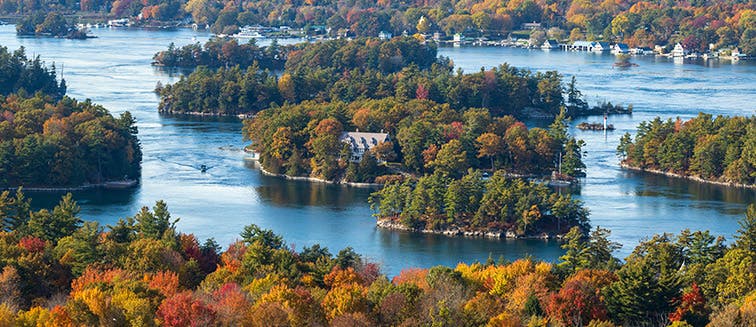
[[114, 70]]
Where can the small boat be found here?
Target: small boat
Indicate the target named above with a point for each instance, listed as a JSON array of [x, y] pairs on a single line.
[[203, 168], [248, 33]]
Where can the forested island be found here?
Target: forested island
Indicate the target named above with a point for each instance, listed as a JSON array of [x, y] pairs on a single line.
[[223, 52], [48, 140], [473, 206], [369, 68], [713, 149], [59, 270], [418, 137], [52, 24], [695, 24]]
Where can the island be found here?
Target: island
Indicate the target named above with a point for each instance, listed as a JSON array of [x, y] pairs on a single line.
[[720, 150], [223, 52], [371, 68], [471, 205], [62, 270], [51, 142], [52, 24]]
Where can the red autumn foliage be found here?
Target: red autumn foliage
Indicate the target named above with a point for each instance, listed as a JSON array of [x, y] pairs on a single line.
[[692, 303], [421, 92], [579, 300], [32, 244], [184, 309], [165, 282]]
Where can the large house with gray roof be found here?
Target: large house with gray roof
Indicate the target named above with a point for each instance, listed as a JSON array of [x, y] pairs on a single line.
[[360, 142]]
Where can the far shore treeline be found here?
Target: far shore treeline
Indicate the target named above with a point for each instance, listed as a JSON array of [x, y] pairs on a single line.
[[698, 25], [58, 270], [50, 140]]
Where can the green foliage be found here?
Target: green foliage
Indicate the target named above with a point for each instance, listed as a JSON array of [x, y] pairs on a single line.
[[437, 201], [717, 149], [223, 52], [30, 75], [52, 24], [156, 223], [52, 226]]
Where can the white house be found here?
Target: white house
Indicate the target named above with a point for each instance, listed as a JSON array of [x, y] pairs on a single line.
[[620, 48], [550, 44], [383, 35], [361, 142], [642, 51], [679, 51], [601, 47]]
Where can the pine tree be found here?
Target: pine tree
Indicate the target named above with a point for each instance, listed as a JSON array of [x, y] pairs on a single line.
[[746, 236]]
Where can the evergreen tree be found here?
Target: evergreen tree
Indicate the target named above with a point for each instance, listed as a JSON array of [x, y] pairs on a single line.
[[62, 222]]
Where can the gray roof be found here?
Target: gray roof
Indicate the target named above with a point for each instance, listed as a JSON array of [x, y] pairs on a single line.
[[362, 140]]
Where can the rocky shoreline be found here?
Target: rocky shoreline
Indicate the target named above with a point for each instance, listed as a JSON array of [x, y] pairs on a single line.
[[391, 224], [110, 185], [692, 178], [205, 114], [313, 179]]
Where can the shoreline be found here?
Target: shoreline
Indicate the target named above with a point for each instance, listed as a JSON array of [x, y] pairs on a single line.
[[393, 225], [109, 185], [205, 114], [312, 179], [692, 178]]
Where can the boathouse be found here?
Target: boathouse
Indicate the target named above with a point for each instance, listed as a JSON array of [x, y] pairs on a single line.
[[620, 48], [550, 44]]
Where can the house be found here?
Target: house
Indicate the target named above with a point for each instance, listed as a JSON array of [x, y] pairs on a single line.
[[679, 51], [361, 141], [383, 35], [620, 48], [550, 44], [642, 51], [531, 26], [581, 45], [601, 47], [737, 55]]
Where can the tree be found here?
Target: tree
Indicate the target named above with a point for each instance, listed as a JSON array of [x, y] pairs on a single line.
[[451, 159], [154, 224], [183, 309], [490, 145], [254, 234], [746, 236], [63, 221]]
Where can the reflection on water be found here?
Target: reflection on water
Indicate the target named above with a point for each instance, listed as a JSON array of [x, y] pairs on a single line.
[[231, 194], [303, 194], [682, 189]]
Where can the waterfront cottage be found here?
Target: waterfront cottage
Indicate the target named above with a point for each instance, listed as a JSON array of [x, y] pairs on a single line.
[[550, 44], [360, 142], [601, 47], [620, 48], [679, 51]]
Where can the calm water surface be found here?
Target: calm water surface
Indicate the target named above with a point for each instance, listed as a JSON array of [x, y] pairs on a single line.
[[114, 70]]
